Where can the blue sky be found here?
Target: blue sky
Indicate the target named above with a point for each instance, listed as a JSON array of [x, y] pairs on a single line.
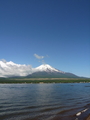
[[59, 30]]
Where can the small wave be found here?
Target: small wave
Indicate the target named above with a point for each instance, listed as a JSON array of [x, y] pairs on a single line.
[[31, 107], [87, 86], [52, 108], [34, 107], [87, 105], [68, 110], [1, 106], [48, 109], [79, 113], [85, 110], [71, 99], [16, 114]]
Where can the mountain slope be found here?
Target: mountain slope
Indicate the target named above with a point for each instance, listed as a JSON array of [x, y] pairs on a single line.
[[46, 71]]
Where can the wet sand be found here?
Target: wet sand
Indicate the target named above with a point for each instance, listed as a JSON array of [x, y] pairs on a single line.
[[88, 118]]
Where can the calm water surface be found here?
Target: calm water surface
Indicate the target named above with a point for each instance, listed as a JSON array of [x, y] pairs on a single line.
[[44, 101]]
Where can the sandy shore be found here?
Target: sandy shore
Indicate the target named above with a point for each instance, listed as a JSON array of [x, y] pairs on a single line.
[[88, 118]]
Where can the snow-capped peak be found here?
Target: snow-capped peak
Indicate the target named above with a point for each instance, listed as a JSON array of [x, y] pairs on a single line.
[[47, 68], [12, 69]]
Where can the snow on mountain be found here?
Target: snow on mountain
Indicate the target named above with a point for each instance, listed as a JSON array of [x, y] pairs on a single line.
[[11, 69], [47, 71], [47, 68]]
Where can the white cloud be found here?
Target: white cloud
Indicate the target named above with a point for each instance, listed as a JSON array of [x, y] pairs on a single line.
[[3, 60], [12, 69], [38, 57]]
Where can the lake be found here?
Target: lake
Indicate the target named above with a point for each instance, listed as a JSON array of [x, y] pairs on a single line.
[[61, 101]]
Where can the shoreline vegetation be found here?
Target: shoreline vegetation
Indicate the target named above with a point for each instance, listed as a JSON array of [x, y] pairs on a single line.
[[44, 80]]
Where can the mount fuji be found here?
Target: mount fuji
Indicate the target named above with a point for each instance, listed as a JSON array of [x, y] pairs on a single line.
[[47, 68], [47, 71], [11, 69]]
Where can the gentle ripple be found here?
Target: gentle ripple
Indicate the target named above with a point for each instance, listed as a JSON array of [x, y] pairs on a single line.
[[44, 101]]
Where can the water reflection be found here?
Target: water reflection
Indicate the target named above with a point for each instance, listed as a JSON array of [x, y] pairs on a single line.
[[42, 101]]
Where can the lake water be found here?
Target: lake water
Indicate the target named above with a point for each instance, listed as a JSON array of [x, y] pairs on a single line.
[[44, 101]]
